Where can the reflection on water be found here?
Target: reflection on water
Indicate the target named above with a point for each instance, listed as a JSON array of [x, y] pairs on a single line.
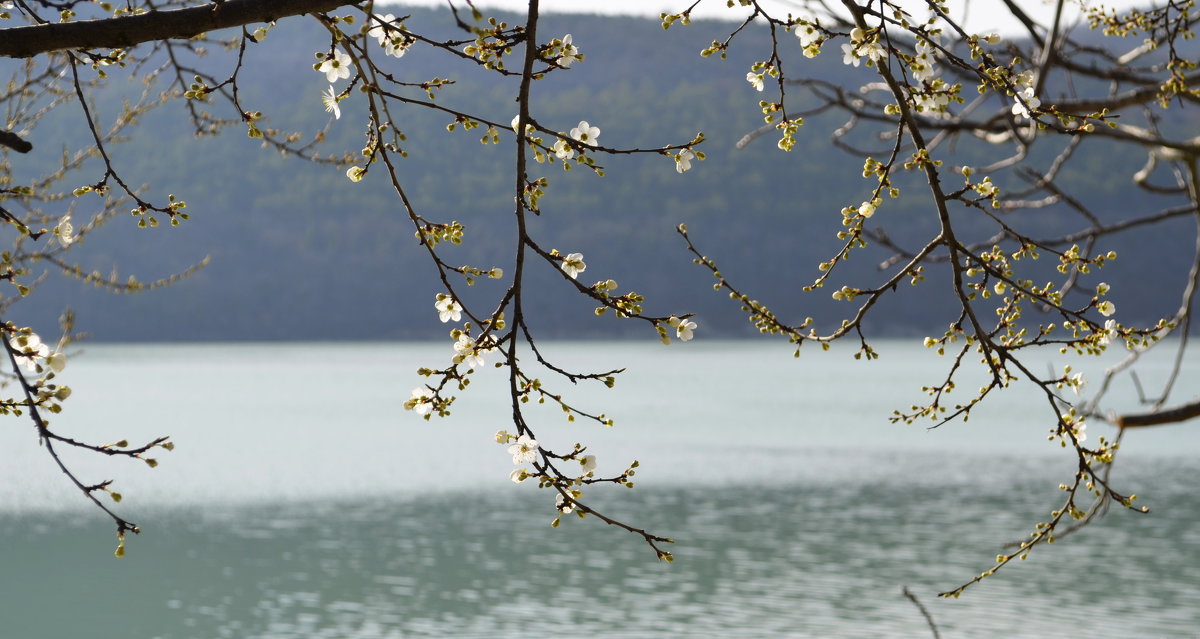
[[807, 559], [799, 510]]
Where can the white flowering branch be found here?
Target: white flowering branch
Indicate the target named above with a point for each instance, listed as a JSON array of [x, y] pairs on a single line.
[[921, 73], [24, 350], [914, 108]]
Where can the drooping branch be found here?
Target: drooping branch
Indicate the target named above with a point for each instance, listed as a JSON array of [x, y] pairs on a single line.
[[924, 612], [127, 31]]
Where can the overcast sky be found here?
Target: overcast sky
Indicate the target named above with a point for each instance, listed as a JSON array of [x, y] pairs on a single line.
[[984, 15]]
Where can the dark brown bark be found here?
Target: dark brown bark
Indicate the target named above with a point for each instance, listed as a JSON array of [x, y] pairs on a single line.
[[15, 142], [1170, 416], [114, 33]]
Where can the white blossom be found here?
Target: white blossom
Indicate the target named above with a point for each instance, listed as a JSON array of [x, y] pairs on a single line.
[[395, 47], [859, 47], [383, 28], [66, 230], [587, 463], [1106, 308], [922, 67], [1108, 332], [448, 308], [502, 436], [421, 401], [986, 188], [57, 361], [356, 173], [380, 30], [570, 53], [585, 133], [466, 352], [573, 265], [329, 99], [524, 451], [755, 80], [562, 505], [931, 102], [563, 150], [1077, 427], [867, 209], [30, 349], [683, 161], [872, 50], [336, 67], [849, 56], [808, 34], [30, 353], [683, 327], [1077, 383], [385, 33], [518, 475], [1025, 102], [684, 330], [529, 128]]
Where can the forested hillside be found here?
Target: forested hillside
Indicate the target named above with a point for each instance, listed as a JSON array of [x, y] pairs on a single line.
[[301, 253]]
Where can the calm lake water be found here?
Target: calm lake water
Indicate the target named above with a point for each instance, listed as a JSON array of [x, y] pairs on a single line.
[[303, 502]]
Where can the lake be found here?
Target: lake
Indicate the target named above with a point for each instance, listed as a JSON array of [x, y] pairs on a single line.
[[303, 501]]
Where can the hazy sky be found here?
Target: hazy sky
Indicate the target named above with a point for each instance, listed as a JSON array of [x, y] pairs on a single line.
[[984, 15]]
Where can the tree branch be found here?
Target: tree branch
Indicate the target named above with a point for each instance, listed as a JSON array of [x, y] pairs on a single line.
[[15, 142], [928, 617], [115, 33], [1155, 418]]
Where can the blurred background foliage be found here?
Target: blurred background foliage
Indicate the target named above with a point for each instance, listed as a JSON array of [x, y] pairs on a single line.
[[301, 253]]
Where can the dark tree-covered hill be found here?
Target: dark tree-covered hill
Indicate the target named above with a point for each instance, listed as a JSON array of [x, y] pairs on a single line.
[[301, 253]]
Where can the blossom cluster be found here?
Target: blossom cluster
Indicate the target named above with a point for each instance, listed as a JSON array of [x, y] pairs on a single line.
[[810, 36], [524, 450], [569, 53], [387, 33], [863, 44], [35, 356], [470, 351], [421, 402]]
